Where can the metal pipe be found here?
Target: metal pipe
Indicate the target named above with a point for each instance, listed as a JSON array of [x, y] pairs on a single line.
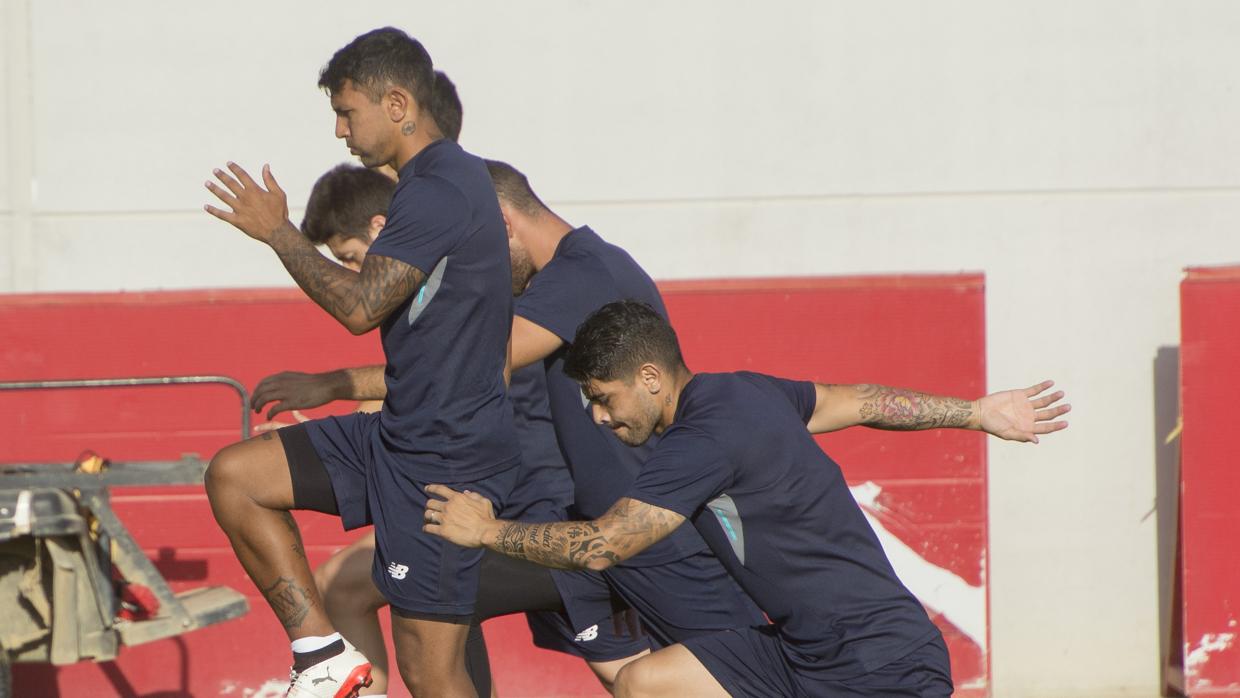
[[133, 382]]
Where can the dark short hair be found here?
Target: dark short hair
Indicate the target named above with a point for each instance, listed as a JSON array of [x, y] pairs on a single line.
[[513, 187], [617, 339], [380, 59], [446, 107], [344, 200]]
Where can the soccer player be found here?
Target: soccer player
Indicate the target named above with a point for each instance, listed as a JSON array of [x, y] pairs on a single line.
[[678, 587], [737, 458], [346, 211], [435, 283]]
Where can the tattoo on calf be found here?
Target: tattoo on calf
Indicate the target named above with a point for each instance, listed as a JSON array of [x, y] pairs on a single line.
[[895, 408], [290, 602], [298, 547]]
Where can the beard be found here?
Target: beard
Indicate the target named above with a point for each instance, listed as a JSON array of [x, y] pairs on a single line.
[[629, 436], [637, 429], [522, 269]]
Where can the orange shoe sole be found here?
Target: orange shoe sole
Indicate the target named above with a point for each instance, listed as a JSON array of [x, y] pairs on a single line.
[[357, 679]]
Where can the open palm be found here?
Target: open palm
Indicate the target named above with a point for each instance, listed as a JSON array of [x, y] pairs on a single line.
[[1020, 415]]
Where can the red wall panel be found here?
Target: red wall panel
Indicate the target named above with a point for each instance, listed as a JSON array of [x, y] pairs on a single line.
[[1210, 481], [925, 493]]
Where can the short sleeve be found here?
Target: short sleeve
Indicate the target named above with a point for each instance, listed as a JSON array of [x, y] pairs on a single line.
[[562, 296], [425, 223], [686, 470], [802, 394]]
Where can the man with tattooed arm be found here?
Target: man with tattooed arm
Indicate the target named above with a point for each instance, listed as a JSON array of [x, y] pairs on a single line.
[[436, 283], [736, 457]]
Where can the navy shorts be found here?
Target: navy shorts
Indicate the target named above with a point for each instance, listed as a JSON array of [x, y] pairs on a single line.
[[752, 662], [684, 598], [421, 575], [592, 625], [585, 623]]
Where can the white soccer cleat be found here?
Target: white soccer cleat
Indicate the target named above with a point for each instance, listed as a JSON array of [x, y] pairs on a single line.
[[341, 676]]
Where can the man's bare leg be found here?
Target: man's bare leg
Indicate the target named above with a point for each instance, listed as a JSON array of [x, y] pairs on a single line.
[[251, 493], [672, 671], [431, 657], [353, 602], [606, 671]]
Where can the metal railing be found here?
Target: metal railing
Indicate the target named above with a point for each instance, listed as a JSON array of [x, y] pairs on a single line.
[[139, 382]]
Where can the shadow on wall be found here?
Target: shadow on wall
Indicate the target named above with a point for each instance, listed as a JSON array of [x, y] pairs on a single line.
[[1167, 508]]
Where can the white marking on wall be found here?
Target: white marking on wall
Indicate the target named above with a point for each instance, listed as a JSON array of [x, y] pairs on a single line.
[[1210, 644], [961, 603]]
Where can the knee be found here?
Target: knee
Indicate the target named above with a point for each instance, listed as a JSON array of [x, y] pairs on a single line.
[[325, 579], [636, 680], [225, 472], [344, 581], [344, 590], [606, 672]]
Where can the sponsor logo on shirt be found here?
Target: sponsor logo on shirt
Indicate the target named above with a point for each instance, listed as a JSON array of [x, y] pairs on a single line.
[[590, 633], [398, 571]]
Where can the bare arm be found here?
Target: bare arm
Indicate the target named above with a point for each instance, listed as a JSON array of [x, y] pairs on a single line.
[[1017, 415], [292, 390], [530, 343], [359, 301], [840, 406], [628, 527]]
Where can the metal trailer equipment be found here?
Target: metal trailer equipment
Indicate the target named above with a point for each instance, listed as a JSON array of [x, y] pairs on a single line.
[[67, 561]]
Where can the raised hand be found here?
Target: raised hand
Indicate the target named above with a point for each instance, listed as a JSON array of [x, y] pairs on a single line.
[[1020, 415], [255, 211]]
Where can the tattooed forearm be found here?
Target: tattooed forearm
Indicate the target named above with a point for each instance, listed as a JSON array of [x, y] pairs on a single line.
[[626, 529], [290, 602], [907, 410], [359, 301]]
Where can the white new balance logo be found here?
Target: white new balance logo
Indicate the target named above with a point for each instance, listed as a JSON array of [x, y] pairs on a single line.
[[588, 634], [398, 571]]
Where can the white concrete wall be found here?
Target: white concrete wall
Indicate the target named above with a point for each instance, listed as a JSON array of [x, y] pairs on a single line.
[[1080, 153]]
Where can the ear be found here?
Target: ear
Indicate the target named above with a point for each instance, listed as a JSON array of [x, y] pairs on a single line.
[[651, 376], [376, 224], [399, 105], [506, 213]]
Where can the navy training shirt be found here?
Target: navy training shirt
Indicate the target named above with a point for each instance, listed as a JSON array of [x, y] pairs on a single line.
[[544, 488], [584, 274], [447, 412], [739, 462]]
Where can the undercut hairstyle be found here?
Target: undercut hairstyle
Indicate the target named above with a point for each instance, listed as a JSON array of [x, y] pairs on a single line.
[[446, 107], [378, 60], [513, 188], [617, 339], [344, 201]]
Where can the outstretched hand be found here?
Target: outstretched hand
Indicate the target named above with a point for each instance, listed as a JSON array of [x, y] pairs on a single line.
[[1020, 415], [257, 212], [460, 517]]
